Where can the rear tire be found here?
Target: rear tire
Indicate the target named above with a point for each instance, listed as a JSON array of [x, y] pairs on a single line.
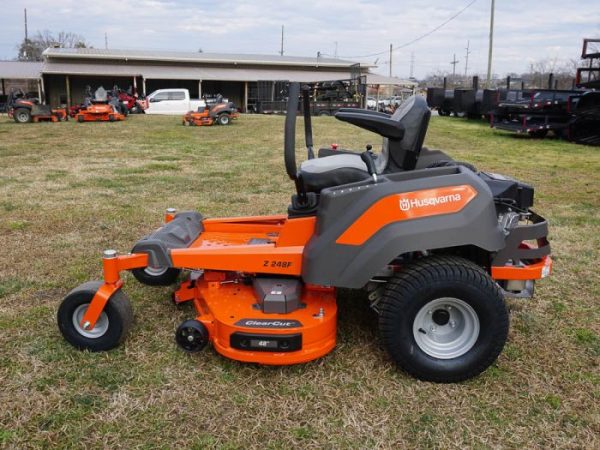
[[111, 118], [111, 328], [443, 319], [22, 115], [159, 276], [224, 119], [80, 119]]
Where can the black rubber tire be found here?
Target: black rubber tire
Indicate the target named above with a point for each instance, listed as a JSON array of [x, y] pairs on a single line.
[[118, 309], [429, 279], [167, 278], [197, 331], [22, 115], [111, 118], [80, 119], [324, 113], [446, 163], [224, 119]]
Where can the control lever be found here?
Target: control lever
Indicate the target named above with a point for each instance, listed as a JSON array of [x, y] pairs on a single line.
[[368, 159]]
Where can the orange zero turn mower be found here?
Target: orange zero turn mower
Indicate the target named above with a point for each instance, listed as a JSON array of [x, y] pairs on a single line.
[[436, 245], [99, 108], [220, 112]]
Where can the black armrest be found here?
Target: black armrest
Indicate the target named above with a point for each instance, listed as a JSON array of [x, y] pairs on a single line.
[[383, 126], [365, 111]]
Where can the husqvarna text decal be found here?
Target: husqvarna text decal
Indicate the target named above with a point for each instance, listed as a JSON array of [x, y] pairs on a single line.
[[407, 206]]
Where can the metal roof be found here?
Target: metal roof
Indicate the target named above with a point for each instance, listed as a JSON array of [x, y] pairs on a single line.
[[375, 78], [20, 70], [191, 57], [193, 73]]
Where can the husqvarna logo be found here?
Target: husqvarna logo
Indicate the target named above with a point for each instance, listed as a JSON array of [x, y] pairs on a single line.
[[407, 204]]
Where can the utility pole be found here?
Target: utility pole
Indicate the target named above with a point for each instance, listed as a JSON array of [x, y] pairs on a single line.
[[26, 36], [454, 63], [106, 40], [467, 59], [412, 64], [281, 51], [489, 67], [390, 60]]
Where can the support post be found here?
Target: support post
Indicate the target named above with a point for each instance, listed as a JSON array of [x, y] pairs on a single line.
[[43, 89], [134, 85], [199, 88], [3, 87], [489, 67], [550, 80], [68, 85], [144, 86], [39, 86], [246, 96], [377, 99], [508, 83]]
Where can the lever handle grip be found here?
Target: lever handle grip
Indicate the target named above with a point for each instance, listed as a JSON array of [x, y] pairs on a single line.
[[367, 158]]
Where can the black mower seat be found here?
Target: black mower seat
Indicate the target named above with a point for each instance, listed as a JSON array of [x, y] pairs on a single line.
[[335, 170], [403, 133]]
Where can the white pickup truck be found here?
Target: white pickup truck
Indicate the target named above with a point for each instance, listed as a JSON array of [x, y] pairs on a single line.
[[171, 101]]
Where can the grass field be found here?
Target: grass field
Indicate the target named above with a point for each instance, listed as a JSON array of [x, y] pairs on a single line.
[[68, 191]]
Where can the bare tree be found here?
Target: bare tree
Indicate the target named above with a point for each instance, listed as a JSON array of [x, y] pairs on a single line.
[[32, 49]]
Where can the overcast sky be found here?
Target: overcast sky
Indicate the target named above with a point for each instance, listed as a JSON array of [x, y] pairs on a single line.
[[525, 31]]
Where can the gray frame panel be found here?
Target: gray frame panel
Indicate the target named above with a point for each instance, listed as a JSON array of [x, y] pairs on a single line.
[[328, 263]]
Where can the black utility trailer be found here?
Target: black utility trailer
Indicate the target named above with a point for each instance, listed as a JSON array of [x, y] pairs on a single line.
[[327, 98], [543, 111]]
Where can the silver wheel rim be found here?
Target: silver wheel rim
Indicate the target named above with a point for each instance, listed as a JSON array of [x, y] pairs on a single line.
[[155, 271], [452, 336], [99, 329], [23, 117]]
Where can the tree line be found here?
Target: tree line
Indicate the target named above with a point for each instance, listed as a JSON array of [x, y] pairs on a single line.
[[31, 49]]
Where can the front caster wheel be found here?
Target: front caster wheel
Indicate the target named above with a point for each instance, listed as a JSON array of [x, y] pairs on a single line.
[[156, 276], [110, 329], [443, 319], [191, 336]]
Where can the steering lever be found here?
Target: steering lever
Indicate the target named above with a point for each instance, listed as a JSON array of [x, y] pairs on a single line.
[[369, 160]]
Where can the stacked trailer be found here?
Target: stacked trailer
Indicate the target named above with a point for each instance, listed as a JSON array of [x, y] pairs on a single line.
[[584, 127], [536, 114]]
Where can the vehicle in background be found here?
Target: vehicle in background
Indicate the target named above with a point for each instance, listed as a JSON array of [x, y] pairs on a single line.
[[24, 108], [371, 103], [218, 110], [171, 102]]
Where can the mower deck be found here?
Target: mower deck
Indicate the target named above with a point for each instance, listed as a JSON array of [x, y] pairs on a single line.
[[238, 328]]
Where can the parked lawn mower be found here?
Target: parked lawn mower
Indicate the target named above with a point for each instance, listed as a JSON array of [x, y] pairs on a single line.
[[436, 245], [24, 109], [220, 112], [101, 107]]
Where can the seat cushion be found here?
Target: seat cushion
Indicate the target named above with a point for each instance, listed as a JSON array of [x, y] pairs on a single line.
[[335, 170]]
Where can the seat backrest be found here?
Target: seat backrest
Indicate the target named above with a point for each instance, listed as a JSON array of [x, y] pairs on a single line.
[[403, 154], [100, 95]]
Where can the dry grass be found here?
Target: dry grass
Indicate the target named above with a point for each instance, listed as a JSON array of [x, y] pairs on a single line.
[[67, 191]]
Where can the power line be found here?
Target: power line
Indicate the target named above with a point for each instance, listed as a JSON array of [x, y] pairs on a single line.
[[430, 32]]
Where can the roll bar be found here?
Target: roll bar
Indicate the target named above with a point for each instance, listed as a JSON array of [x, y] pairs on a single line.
[[289, 146]]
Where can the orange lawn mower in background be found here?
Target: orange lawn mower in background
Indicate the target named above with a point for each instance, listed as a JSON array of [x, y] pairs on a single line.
[[25, 109], [101, 107], [435, 244], [220, 112]]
